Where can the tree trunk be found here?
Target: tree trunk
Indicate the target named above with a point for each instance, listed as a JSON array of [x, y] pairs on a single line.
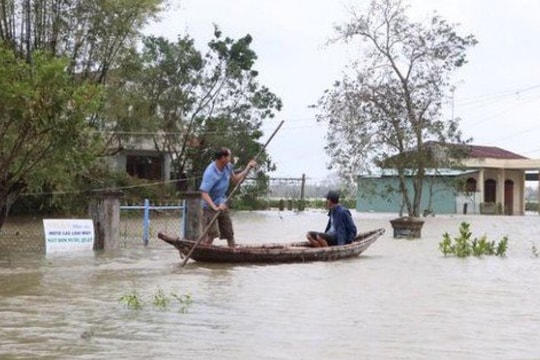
[[10, 193]]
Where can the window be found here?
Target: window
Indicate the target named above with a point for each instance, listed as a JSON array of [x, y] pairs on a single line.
[[490, 191], [144, 167]]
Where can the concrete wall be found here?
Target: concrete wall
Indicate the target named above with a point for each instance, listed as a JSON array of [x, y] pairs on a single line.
[[373, 195]]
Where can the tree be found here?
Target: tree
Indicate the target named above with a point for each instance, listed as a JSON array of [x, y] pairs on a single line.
[[385, 109], [53, 53], [44, 132], [92, 34], [189, 103]]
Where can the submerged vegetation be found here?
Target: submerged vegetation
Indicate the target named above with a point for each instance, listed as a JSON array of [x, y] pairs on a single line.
[[464, 246], [132, 301], [160, 300]]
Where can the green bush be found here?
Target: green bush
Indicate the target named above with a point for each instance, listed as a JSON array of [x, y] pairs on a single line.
[[531, 206], [464, 246]]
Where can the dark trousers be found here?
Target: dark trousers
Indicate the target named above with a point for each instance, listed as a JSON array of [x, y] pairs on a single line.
[[331, 240]]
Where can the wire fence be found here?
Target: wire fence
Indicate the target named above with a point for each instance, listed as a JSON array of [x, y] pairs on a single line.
[[139, 225]]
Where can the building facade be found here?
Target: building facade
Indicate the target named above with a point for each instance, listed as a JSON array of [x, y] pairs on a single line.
[[493, 182], [141, 159]]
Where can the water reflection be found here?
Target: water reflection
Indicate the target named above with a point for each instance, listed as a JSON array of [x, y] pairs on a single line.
[[399, 300]]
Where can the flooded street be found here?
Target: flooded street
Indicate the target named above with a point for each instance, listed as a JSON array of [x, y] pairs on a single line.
[[401, 299]]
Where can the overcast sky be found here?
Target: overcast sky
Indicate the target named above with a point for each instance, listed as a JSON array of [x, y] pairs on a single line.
[[497, 96]]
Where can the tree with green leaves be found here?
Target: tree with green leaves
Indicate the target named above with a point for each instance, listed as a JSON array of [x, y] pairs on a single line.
[[92, 34], [44, 132], [189, 102], [54, 56], [388, 106]]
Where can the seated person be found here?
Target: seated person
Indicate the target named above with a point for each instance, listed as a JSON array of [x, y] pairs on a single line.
[[340, 229]]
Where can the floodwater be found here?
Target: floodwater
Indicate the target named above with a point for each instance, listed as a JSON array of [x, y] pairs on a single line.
[[401, 299]]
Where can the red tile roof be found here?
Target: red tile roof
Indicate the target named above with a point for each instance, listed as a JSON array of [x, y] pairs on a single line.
[[492, 152]]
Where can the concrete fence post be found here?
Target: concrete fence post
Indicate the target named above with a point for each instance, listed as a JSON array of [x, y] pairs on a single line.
[[193, 222], [104, 210]]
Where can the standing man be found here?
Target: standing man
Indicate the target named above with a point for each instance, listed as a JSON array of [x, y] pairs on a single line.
[[340, 229], [215, 183]]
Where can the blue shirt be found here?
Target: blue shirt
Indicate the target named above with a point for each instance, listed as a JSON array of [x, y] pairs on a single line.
[[216, 183]]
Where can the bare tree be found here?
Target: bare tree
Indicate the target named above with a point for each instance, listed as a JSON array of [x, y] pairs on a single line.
[[388, 104]]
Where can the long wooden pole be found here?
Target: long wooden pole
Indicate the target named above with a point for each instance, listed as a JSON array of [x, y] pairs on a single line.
[[214, 218]]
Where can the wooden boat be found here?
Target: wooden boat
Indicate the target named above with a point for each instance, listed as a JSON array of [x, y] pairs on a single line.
[[273, 252]]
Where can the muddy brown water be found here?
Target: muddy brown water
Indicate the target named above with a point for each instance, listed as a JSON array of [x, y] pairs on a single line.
[[401, 299]]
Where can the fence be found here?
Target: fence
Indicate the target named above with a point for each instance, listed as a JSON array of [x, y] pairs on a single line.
[[143, 222], [139, 224], [22, 235]]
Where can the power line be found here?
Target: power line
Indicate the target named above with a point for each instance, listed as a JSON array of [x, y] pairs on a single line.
[[518, 133], [504, 111], [495, 96]]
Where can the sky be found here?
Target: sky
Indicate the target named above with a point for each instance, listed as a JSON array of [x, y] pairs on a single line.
[[497, 94]]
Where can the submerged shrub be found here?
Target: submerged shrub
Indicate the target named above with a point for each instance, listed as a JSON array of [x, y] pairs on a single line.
[[132, 301], [185, 301], [463, 246], [160, 300]]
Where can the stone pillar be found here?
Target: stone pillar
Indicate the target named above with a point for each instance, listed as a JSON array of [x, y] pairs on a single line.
[[480, 190], [193, 222], [521, 188], [538, 190], [104, 210], [500, 192], [480, 184]]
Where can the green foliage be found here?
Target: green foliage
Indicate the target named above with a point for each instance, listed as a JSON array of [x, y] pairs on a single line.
[[531, 206], [159, 300], [463, 245], [445, 245], [251, 192], [132, 301], [502, 246], [75, 203], [483, 247], [91, 33], [196, 101], [49, 97], [46, 140], [52, 113]]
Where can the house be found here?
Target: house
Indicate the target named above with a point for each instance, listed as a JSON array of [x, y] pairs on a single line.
[[491, 181], [141, 159]]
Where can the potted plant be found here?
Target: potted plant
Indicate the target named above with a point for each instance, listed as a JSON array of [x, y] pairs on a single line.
[[387, 109]]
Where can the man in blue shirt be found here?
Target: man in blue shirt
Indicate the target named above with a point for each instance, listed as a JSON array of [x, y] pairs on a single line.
[[215, 183], [340, 229]]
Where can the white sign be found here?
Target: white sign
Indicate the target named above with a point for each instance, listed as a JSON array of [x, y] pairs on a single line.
[[68, 234]]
